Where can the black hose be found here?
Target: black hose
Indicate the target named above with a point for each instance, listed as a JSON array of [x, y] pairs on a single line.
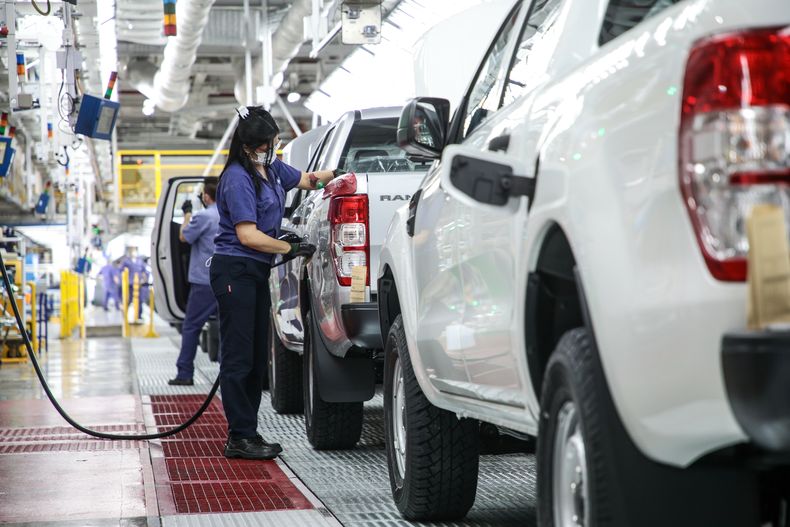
[[135, 437], [41, 11]]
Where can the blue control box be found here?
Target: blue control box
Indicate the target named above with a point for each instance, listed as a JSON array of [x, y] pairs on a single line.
[[6, 155], [97, 117]]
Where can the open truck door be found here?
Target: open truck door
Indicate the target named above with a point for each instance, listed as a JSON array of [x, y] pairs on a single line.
[[169, 255]]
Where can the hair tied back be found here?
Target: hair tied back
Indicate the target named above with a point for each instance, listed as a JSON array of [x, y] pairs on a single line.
[[243, 112]]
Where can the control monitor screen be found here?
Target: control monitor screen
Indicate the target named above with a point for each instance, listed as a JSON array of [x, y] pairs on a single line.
[[106, 117]]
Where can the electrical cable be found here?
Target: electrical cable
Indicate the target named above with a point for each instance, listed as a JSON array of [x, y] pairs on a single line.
[[40, 12], [102, 435], [68, 158]]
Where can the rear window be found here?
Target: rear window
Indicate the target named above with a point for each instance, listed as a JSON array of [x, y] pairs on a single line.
[[373, 147], [622, 15]]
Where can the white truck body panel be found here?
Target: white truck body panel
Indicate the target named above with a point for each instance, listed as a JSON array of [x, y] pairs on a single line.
[[604, 123]]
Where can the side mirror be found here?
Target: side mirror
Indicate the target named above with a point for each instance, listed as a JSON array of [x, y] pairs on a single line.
[[422, 129]]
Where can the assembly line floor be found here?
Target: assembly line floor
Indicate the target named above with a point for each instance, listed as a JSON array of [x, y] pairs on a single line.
[[52, 475]]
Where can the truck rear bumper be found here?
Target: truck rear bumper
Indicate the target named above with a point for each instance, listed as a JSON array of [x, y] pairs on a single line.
[[756, 366], [361, 321]]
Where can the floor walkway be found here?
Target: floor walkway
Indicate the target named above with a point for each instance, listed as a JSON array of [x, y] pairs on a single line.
[[52, 475]]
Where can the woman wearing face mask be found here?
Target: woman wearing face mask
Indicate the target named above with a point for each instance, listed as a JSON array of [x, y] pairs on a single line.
[[251, 202]]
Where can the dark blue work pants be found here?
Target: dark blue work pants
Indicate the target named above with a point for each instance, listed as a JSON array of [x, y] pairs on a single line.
[[241, 286], [201, 305]]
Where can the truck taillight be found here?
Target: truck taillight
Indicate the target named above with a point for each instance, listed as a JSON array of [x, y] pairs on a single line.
[[350, 245], [734, 142]]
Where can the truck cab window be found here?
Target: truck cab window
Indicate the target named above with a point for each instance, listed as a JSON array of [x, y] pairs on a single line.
[[486, 89], [532, 54]]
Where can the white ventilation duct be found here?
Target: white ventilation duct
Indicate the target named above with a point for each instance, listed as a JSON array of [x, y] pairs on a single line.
[[285, 44], [140, 21], [171, 82]]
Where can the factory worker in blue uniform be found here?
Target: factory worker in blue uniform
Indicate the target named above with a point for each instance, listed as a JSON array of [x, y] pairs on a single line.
[[251, 203], [199, 231]]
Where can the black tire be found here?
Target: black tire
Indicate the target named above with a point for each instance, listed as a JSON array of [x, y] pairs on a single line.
[[442, 451], [329, 426], [623, 486], [285, 376]]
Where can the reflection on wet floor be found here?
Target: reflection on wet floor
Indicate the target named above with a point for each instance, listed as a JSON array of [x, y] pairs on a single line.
[[73, 368]]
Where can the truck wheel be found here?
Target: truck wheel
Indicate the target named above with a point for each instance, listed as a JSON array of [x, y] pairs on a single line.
[[432, 455], [568, 469], [586, 459], [329, 426], [285, 376]]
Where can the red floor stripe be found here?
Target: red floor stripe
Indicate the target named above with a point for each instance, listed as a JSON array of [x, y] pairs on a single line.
[[62, 433], [216, 469], [170, 420], [76, 446], [244, 496], [194, 476], [171, 408], [175, 449], [182, 399], [200, 432]]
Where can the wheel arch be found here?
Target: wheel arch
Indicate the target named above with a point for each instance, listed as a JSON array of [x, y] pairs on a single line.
[[555, 302], [388, 301]]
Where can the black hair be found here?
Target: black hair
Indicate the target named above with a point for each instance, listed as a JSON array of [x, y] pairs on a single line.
[[258, 128], [210, 186]]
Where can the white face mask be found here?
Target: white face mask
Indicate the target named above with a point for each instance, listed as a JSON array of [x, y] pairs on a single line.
[[260, 157]]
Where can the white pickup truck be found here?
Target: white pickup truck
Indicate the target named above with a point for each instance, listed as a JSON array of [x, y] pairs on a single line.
[[573, 268], [313, 314]]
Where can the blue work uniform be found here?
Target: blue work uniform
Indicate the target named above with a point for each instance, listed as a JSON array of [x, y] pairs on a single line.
[[240, 281], [111, 279], [201, 304]]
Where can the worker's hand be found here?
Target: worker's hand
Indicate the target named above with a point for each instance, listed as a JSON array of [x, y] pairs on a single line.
[[186, 207], [290, 237], [301, 249]]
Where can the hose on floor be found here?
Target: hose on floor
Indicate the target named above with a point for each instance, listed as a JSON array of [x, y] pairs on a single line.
[[117, 437]]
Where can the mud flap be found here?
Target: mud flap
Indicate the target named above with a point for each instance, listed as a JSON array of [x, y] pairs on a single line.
[[342, 380]]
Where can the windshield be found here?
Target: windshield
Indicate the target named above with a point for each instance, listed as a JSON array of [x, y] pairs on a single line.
[[373, 147]]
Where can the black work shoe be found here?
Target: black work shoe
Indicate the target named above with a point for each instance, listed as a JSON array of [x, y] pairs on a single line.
[[275, 446], [181, 382], [250, 448]]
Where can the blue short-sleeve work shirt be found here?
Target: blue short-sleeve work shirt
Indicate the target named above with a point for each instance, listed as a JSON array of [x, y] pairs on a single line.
[[237, 202], [200, 233]]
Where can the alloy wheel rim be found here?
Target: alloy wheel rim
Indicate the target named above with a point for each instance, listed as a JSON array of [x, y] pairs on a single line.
[[399, 419], [570, 496]]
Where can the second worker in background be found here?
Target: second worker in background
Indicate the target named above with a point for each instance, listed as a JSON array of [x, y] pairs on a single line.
[[198, 230]]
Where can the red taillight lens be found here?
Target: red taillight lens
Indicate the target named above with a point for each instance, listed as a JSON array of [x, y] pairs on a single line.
[[345, 185], [734, 141], [348, 218]]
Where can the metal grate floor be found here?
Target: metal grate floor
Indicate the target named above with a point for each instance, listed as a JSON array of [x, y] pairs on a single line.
[[354, 484]]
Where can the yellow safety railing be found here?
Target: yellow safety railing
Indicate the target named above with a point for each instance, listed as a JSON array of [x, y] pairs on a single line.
[[33, 316], [125, 302], [151, 333], [141, 172], [134, 302], [136, 299], [72, 313]]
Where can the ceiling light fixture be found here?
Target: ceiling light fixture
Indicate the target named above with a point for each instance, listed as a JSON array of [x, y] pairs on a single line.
[[148, 107], [294, 97]]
